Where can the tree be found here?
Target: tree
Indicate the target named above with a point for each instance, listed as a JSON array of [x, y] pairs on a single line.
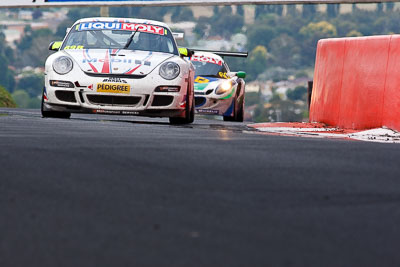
[[311, 34], [125, 12], [389, 6], [353, 33], [285, 51], [32, 84], [216, 11], [21, 98], [33, 48], [319, 30], [298, 93], [240, 10], [6, 99], [354, 8], [257, 61], [226, 10], [379, 7], [309, 10], [6, 56], [227, 24], [332, 10], [260, 34], [202, 27], [279, 10], [291, 10], [260, 9], [37, 14], [83, 12], [182, 14]]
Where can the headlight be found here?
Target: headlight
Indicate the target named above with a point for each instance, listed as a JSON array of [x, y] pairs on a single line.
[[224, 87], [63, 65], [169, 70]]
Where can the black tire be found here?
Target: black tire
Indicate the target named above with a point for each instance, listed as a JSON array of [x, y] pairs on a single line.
[[232, 118], [53, 114], [240, 112], [189, 113]]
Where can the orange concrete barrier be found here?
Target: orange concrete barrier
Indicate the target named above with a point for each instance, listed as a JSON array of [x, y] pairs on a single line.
[[357, 82]]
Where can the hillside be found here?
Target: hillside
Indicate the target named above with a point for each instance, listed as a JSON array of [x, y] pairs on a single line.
[[5, 99]]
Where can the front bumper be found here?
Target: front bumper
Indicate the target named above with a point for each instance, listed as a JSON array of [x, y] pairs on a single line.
[[147, 113], [142, 100], [210, 105]]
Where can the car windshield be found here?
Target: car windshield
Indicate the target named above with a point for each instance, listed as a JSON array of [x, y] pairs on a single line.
[[209, 69], [116, 35]]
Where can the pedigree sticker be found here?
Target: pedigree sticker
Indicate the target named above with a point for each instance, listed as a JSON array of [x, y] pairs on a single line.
[[119, 88], [90, 26], [206, 59]]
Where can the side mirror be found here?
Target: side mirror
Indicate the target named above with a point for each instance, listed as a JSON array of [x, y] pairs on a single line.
[[55, 46], [241, 74], [184, 52], [67, 30]]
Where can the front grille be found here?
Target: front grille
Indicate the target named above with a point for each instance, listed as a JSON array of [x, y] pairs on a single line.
[[114, 100], [198, 101], [162, 100], [66, 96]]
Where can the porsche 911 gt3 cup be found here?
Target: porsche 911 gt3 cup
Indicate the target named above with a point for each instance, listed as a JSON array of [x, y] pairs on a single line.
[[119, 66], [217, 90]]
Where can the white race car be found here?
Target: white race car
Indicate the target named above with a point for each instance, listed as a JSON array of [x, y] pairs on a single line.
[[218, 91], [119, 66]]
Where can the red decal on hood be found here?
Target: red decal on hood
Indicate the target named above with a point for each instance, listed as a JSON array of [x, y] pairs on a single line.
[[106, 65], [90, 64]]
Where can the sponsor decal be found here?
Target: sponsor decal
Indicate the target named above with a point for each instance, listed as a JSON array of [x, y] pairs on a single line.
[[168, 89], [206, 59], [131, 71], [116, 60], [87, 26], [64, 84], [130, 112], [113, 88], [74, 47], [114, 80], [208, 111], [200, 79], [115, 112], [223, 75], [87, 58], [102, 111]]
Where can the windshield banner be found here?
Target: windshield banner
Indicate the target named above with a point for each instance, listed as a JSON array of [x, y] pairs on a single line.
[[88, 26], [206, 59]]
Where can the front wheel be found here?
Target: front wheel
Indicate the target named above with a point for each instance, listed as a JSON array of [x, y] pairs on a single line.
[[189, 112], [53, 114], [238, 111]]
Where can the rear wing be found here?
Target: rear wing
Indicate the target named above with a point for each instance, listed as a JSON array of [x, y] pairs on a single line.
[[223, 53]]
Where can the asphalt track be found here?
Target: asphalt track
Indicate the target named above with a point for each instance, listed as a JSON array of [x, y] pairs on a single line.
[[131, 191]]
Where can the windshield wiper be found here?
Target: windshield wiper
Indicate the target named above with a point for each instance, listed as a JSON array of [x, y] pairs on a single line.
[[128, 43]]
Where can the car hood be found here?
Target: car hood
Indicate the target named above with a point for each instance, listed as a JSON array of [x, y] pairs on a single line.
[[202, 83], [116, 61]]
